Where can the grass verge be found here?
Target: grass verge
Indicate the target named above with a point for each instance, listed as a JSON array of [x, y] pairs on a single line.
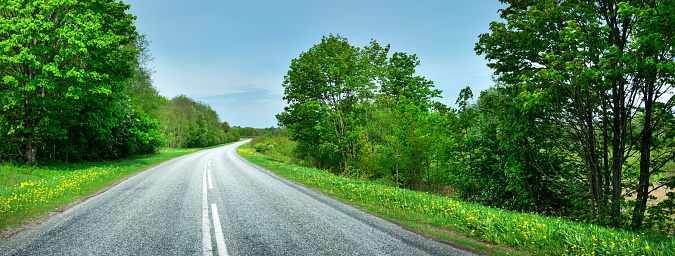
[[29, 193], [488, 230]]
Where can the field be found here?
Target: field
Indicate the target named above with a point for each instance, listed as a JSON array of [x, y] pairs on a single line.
[[492, 230]]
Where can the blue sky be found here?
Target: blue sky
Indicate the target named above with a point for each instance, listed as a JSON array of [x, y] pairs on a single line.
[[233, 55]]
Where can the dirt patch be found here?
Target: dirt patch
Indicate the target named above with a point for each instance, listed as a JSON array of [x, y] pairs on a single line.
[[660, 195]]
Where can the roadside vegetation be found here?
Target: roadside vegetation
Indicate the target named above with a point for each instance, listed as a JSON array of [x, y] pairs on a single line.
[[28, 193], [488, 229], [580, 122]]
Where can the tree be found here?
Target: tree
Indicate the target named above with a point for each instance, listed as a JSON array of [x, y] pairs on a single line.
[[594, 65], [514, 159], [54, 53], [464, 95], [651, 69], [140, 89], [323, 88], [410, 98]]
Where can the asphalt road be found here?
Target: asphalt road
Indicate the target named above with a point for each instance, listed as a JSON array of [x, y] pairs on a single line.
[[214, 202]]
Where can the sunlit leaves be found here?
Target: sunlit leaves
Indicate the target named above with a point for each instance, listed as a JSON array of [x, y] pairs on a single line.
[[323, 88], [55, 51], [596, 68]]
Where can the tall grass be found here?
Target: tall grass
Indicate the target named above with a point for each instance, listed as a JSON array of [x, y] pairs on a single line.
[[277, 147], [530, 232]]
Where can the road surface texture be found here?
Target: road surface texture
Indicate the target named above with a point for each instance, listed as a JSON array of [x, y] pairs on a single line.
[[214, 202]]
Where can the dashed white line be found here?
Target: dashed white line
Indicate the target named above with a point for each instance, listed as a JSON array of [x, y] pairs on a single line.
[[206, 225], [220, 239], [210, 182]]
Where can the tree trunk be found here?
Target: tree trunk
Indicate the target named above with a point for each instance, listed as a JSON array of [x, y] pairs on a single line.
[[605, 153], [645, 159], [31, 147], [618, 149]]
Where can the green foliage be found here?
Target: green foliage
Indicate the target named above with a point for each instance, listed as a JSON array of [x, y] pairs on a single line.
[[360, 113], [573, 102], [142, 94], [513, 160], [66, 91], [277, 146], [250, 132], [599, 70], [323, 89], [531, 232], [76, 86], [190, 124], [54, 53]]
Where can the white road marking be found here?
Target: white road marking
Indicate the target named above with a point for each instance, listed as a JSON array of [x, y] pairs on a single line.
[[220, 239], [206, 225], [210, 182]]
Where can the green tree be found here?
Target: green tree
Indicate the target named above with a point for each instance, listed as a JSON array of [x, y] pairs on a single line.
[[410, 98], [55, 52], [323, 88], [179, 119], [594, 65], [514, 158], [464, 95], [651, 70], [140, 88]]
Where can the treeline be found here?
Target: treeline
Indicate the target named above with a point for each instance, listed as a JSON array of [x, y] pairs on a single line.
[[72, 91], [250, 132], [193, 124], [579, 123]]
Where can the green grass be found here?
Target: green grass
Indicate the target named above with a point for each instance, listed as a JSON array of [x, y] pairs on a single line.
[[26, 193], [492, 230]]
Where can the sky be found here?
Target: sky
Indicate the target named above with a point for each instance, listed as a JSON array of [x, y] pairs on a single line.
[[233, 55]]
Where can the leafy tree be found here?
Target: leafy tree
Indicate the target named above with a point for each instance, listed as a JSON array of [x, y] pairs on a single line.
[[323, 88], [464, 95], [651, 70], [410, 98], [513, 158], [593, 65], [140, 89], [342, 120], [54, 53], [226, 127], [401, 82]]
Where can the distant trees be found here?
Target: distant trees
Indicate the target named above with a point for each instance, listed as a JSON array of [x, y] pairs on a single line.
[[188, 123], [248, 132]]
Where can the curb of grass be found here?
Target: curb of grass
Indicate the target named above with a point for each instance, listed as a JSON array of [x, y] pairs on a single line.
[[445, 236], [34, 220]]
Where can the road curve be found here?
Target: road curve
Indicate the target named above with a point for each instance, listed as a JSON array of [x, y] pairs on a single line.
[[214, 202]]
